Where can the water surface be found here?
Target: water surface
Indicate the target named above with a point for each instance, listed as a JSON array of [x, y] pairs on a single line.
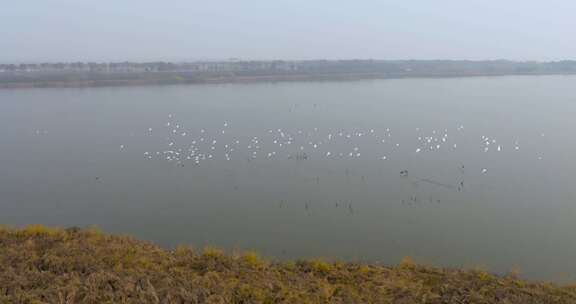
[[489, 161]]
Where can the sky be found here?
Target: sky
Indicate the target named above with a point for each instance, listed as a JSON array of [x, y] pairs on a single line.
[[182, 30]]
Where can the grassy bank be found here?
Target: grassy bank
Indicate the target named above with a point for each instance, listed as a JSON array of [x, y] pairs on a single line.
[[45, 265]]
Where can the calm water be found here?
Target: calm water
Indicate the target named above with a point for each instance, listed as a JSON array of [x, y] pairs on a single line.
[[308, 169]]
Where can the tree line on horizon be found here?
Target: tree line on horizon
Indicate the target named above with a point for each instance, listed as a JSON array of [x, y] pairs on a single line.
[[304, 66]]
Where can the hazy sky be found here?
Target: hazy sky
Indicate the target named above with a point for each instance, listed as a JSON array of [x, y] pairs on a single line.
[[103, 30]]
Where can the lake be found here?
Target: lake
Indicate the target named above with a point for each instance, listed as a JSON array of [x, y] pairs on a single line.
[[472, 172]]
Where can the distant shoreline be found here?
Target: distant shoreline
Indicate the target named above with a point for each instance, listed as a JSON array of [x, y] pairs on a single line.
[[172, 78], [103, 74]]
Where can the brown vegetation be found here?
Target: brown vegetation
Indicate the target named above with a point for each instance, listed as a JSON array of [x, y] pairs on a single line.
[[45, 265]]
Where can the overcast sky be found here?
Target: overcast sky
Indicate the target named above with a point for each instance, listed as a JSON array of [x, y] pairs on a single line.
[[140, 30]]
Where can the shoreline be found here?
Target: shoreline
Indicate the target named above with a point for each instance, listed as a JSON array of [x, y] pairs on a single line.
[[159, 79], [39, 264]]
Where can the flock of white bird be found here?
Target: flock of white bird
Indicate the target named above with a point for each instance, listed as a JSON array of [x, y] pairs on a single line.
[[200, 145]]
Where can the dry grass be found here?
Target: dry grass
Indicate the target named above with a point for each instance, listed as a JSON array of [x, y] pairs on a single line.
[[47, 265]]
